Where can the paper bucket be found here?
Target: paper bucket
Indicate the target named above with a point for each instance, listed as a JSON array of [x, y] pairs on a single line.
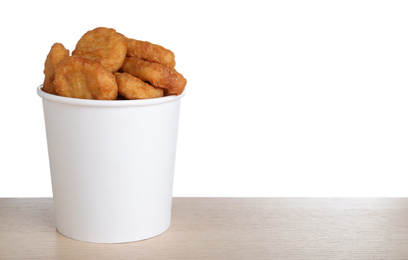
[[112, 165]]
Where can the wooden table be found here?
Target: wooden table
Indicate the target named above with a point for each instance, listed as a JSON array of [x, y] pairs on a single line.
[[227, 228]]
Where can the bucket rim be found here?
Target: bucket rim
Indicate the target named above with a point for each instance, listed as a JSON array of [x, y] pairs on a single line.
[[106, 103]]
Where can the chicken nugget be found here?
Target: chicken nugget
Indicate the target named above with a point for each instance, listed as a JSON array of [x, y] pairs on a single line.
[[103, 45], [56, 54], [150, 52], [131, 87], [78, 77], [156, 74]]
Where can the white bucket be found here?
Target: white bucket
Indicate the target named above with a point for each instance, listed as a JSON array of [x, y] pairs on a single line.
[[112, 165]]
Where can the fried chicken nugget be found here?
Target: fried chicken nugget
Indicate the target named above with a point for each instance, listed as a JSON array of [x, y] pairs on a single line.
[[133, 88], [104, 45], [156, 74], [78, 77], [56, 54], [150, 52]]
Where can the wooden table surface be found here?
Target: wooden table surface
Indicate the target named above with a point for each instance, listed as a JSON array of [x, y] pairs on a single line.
[[226, 228]]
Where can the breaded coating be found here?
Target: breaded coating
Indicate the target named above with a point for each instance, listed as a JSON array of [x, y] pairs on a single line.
[[103, 45], [156, 74], [131, 87], [56, 54], [150, 52], [78, 77]]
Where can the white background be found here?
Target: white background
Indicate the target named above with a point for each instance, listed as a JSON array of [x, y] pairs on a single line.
[[284, 98]]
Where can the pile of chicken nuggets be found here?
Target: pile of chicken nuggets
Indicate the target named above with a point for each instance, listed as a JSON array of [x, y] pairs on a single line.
[[106, 65]]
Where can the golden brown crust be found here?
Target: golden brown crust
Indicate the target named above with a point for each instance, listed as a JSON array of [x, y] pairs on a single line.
[[78, 77], [103, 45], [150, 52], [131, 87], [101, 52], [156, 74], [56, 54]]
